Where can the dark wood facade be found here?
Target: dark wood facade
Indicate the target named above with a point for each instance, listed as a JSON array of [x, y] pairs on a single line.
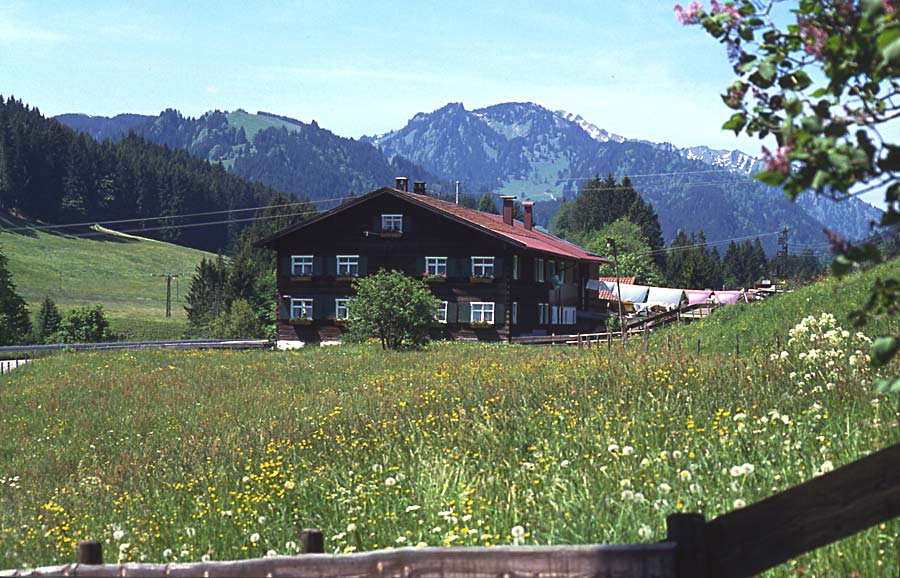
[[523, 299]]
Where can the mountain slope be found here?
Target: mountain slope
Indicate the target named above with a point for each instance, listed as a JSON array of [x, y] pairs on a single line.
[[284, 153], [525, 149]]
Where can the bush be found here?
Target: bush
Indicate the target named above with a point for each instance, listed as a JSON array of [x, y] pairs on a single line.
[[85, 324], [394, 308], [239, 321]]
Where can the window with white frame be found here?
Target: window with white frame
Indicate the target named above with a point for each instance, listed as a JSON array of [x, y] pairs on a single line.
[[341, 312], [482, 266], [515, 267], [301, 265], [347, 265], [514, 314], [392, 223], [302, 309], [442, 312], [436, 266], [539, 270], [543, 313], [569, 315], [482, 312]]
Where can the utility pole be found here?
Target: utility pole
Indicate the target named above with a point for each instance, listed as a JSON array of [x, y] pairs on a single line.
[[169, 278], [783, 252], [611, 243], [457, 192]]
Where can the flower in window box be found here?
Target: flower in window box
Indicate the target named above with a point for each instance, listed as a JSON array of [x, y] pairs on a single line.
[[481, 324], [391, 234], [300, 321], [345, 278], [433, 278], [479, 279], [300, 278]]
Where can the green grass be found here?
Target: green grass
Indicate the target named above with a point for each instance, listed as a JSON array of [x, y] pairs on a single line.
[[760, 322], [176, 455], [122, 273], [253, 123]]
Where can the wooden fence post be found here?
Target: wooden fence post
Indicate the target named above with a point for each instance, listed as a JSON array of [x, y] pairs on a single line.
[[668, 343], [609, 340], [90, 552], [737, 344], [312, 541], [698, 348], [687, 531]]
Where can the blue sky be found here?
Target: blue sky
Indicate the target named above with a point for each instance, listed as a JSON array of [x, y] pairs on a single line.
[[367, 67]]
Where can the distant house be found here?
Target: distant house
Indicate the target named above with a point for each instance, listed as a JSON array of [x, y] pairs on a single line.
[[496, 277]]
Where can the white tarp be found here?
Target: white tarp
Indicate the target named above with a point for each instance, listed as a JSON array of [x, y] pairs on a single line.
[[670, 298], [597, 285], [633, 293]]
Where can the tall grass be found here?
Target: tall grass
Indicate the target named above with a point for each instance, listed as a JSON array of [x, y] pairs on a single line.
[[179, 456]]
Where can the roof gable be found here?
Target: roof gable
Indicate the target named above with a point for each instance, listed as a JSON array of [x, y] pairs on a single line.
[[483, 222]]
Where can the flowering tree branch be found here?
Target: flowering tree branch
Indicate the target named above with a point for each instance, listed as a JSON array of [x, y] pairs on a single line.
[[822, 86]]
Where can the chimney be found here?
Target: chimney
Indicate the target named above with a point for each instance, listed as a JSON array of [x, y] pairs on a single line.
[[529, 218], [402, 184], [419, 187], [508, 209]]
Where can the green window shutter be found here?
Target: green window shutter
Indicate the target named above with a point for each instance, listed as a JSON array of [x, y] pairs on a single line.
[[453, 267], [284, 308], [406, 228], [330, 265], [499, 314], [420, 266], [318, 266], [323, 307], [464, 314], [376, 223], [498, 267], [363, 265], [452, 312], [285, 268]]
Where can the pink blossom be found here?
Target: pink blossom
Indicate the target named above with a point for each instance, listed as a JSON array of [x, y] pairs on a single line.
[[719, 8], [890, 6], [689, 15], [735, 95], [837, 245], [814, 38], [780, 161]]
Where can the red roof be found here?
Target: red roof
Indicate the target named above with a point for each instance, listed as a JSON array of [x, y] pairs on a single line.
[[517, 233], [623, 280], [493, 224]]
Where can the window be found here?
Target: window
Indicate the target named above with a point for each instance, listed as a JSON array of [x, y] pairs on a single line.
[[539, 270], [442, 313], [515, 267], [483, 312], [436, 266], [514, 314], [391, 223], [341, 312], [302, 309], [551, 265], [543, 313], [482, 266], [347, 265], [301, 265], [568, 315]]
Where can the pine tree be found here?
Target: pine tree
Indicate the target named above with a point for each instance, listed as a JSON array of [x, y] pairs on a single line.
[[487, 205], [47, 321], [15, 327], [207, 294]]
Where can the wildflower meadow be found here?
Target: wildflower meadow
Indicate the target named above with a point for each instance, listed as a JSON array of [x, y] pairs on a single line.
[[184, 456]]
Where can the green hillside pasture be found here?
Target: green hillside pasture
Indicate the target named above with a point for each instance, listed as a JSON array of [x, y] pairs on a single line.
[[760, 322], [125, 274], [176, 456], [253, 123]]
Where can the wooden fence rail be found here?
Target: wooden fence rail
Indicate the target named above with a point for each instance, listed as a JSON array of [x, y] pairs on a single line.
[[736, 545]]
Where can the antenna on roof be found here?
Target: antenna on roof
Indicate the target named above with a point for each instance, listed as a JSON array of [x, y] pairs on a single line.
[[457, 192]]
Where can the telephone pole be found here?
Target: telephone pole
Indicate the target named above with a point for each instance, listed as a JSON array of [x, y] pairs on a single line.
[[169, 278], [783, 252]]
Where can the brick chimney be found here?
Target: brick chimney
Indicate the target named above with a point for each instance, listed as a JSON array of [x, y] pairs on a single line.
[[402, 184], [508, 209], [528, 220], [419, 187]]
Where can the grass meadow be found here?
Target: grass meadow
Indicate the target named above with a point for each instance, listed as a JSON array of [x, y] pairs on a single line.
[[179, 456], [129, 281]]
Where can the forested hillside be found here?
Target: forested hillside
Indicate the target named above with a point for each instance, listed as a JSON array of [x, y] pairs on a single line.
[[50, 173]]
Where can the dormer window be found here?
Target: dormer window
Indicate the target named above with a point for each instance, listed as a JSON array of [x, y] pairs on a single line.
[[392, 223]]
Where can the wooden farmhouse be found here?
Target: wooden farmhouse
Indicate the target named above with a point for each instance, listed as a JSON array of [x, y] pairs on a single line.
[[496, 277]]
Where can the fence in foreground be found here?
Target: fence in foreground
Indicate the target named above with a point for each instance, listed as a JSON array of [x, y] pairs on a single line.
[[736, 545]]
